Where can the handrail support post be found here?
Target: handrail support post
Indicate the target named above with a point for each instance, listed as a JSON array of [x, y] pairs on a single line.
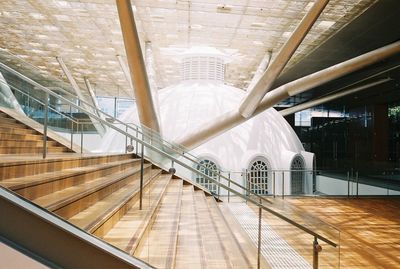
[[45, 123], [259, 237], [141, 178], [316, 249]]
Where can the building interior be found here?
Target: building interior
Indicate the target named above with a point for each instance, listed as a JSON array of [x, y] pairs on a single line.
[[199, 134]]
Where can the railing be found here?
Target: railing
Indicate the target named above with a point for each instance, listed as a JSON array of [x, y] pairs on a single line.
[[66, 245], [174, 158]]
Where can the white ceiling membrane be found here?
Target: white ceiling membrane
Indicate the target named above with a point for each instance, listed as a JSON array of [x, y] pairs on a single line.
[[87, 35]]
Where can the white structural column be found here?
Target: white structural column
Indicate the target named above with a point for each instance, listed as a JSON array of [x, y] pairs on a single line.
[[70, 78], [151, 72], [92, 95], [99, 127], [233, 118], [331, 97], [260, 70], [125, 70], [144, 100], [264, 84]]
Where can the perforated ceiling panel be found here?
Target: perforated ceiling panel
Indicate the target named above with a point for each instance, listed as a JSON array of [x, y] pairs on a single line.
[[86, 34]]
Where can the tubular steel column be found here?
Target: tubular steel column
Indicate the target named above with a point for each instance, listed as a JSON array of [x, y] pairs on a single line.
[[144, 100], [46, 112], [233, 118], [264, 84]]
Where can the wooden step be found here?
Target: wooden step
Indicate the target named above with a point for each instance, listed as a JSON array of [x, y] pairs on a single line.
[[70, 201], [16, 169], [12, 130], [159, 247], [6, 119], [230, 229], [25, 143], [189, 251], [34, 186], [99, 218], [216, 254], [10, 124], [126, 234], [33, 150], [5, 135]]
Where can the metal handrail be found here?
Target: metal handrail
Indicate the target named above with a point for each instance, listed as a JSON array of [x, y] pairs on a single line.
[[257, 202], [42, 103], [65, 229]]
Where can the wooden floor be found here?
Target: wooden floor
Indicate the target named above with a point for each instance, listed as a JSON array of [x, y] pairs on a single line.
[[369, 230]]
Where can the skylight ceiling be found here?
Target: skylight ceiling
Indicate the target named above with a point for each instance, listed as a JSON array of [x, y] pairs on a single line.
[[87, 35]]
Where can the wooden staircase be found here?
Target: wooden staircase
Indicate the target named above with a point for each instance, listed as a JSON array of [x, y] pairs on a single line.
[[18, 138], [179, 225]]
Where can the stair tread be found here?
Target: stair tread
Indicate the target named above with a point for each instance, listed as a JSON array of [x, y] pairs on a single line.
[[159, 247], [23, 182], [189, 248], [18, 130], [89, 218], [58, 199], [247, 247], [127, 232], [215, 253]]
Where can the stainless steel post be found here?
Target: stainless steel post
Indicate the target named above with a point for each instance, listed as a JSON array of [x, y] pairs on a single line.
[[141, 177], [46, 112], [126, 139], [136, 140], [81, 138], [219, 181], [283, 184], [259, 237], [273, 177], [357, 184], [72, 134], [316, 249], [229, 185]]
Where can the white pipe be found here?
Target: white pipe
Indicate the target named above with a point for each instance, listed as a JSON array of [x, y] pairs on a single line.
[[99, 127], [125, 70], [144, 100], [260, 70], [70, 78], [330, 97], [152, 76], [233, 118], [264, 84]]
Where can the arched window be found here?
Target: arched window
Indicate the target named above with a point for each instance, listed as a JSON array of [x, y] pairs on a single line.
[[258, 176], [297, 175], [209, 168]]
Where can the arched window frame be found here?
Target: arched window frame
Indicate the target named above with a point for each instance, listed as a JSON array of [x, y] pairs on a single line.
[[258, 178], [297, 177], [210, 168]]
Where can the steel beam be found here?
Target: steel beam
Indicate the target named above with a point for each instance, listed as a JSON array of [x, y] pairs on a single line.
[[91, 94], [330, 97], [233, 118], [149, 59], [144, 100], [264, 84], [70, 78], [260, 70], [125, 70], [99, 127]]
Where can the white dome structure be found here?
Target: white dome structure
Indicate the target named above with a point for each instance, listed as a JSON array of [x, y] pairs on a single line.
[[264, 142]]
